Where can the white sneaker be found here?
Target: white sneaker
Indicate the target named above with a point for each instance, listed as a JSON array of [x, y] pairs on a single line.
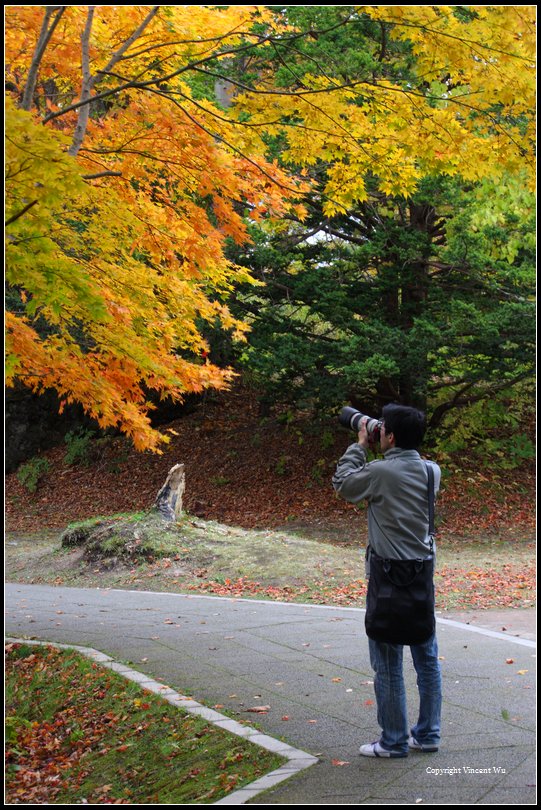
[[417, 746], [376, 750]]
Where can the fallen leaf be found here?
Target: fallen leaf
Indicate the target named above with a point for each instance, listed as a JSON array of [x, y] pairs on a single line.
[[285, 717], [509, 660], [339, 762], [260, 709], [522, 672]]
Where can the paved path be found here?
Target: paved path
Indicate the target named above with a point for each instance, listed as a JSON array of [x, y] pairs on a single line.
[[310, 664]]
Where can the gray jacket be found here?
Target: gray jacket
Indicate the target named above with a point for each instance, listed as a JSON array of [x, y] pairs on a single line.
[[396, 488]]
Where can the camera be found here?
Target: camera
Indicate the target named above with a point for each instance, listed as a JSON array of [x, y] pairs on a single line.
[[351, 418]]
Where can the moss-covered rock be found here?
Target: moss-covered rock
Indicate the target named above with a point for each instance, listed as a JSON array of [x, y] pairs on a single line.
[[134, 538]]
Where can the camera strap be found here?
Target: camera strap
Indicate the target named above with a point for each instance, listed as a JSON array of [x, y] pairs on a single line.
[[431, 498]]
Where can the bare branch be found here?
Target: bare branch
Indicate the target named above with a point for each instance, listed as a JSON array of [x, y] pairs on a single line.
[[229, 145], [124, 47], [459, 400], [89, 81], [86, 86], [194, 66], [278, 40], [474, 44], [20, 214], [101, 174]]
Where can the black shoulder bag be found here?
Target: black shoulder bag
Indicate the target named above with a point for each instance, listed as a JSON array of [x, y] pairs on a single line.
[[400, 603]]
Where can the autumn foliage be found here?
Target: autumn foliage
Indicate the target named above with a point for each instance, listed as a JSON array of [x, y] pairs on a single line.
[[125, 179], [120, 251], [77, 733]]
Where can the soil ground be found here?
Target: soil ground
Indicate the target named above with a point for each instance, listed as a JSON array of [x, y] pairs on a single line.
[[262, 519]]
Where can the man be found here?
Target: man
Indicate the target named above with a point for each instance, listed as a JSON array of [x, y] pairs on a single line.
[[398, 528]]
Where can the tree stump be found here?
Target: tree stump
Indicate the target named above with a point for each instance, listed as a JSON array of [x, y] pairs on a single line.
[[169, 499]]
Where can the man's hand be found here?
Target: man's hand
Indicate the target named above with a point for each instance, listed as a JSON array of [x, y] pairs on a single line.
[[364, 441]]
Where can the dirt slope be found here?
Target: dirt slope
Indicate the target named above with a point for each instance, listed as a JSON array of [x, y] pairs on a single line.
[[257, 473]]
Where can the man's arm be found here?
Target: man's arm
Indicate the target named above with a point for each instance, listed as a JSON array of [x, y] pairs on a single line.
[[352, 479]]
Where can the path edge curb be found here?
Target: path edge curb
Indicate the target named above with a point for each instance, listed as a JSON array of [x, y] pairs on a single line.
[[297, 760]]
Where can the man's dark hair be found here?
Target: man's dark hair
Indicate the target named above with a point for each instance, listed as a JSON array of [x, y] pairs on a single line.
[[407, 424]]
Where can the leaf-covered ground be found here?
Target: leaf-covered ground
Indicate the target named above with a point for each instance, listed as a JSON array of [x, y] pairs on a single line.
[[248, 471], [256, 475], [81, 734]]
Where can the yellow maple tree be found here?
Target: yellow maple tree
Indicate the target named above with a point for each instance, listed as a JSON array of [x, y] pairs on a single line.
[[465, 106]]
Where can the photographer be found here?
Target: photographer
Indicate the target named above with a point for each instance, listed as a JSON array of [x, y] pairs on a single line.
[[395, 488]]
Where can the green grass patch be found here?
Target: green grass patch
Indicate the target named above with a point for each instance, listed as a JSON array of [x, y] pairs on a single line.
[[147, 553], [77, 733]]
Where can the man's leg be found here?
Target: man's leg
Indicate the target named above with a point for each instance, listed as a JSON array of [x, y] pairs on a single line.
[[427, 666], [386, 660]]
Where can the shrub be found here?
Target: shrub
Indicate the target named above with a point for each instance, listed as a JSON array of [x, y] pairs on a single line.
[[30, 474], [85, 446]]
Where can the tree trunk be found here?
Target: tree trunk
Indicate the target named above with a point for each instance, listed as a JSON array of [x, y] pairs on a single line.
[[169, 499], [414, 295], [44, 37]]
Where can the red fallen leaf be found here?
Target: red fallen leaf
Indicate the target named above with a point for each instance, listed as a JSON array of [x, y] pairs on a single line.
[[339, 762], [285, 717], [509, 660], [369, 703]]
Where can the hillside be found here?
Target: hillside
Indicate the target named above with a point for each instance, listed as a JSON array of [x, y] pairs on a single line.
[[251, 472]]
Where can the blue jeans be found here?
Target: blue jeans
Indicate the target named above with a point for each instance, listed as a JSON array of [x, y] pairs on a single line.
[[387, 660]]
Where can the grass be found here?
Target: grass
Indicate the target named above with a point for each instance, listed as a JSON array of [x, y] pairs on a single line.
[[80, 734], [486, 571]]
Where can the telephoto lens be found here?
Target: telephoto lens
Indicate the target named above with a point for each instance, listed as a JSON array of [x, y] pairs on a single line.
[[351, 418]]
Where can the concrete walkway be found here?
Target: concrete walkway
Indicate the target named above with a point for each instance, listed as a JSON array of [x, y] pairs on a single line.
[[309, 665]]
